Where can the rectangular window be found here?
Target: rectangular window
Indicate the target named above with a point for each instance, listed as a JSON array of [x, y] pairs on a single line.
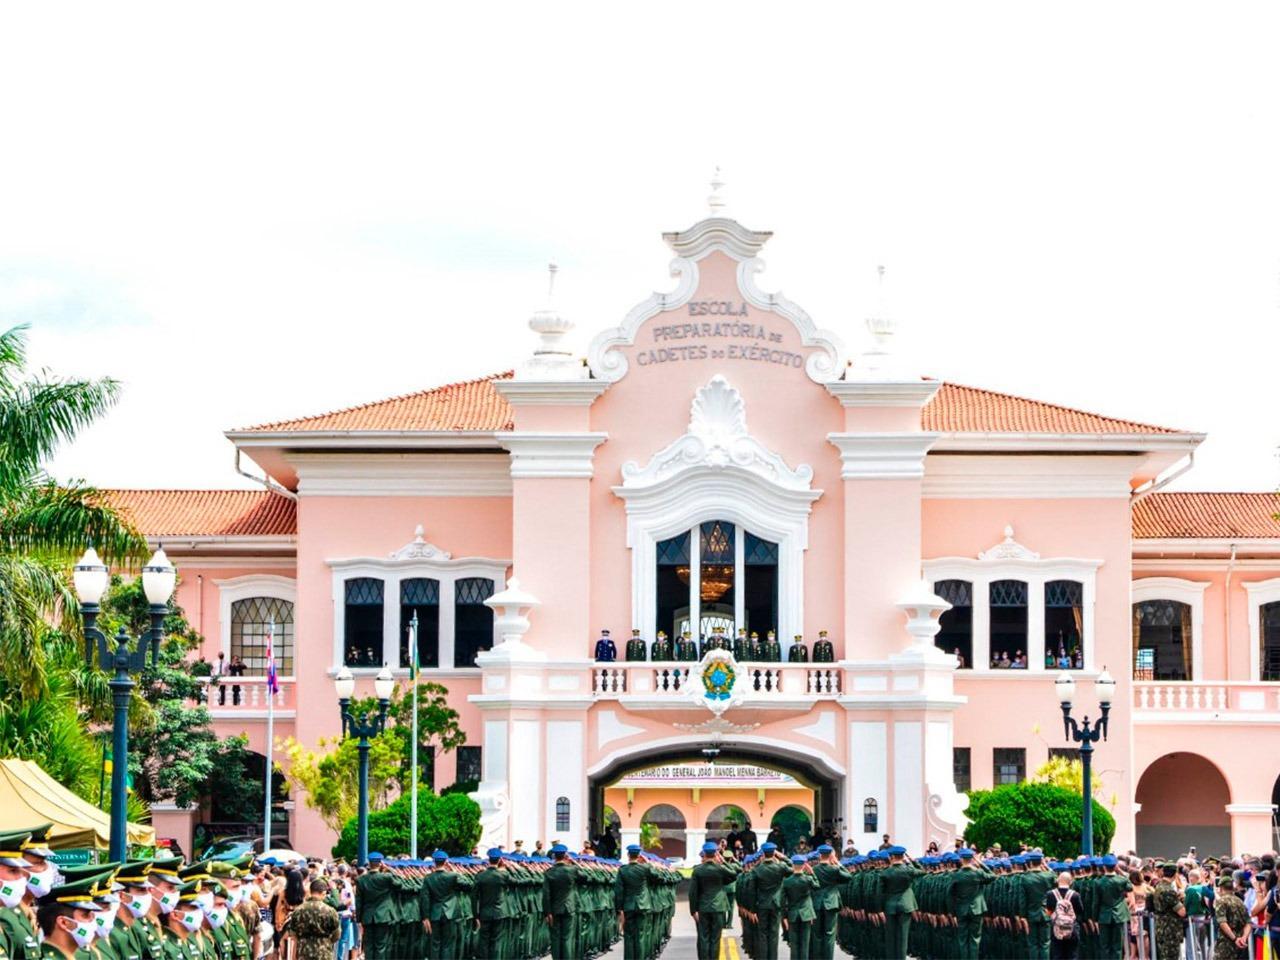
[[251, 621], [469, 769], [1010, 765], [717, 578], [960, 768], [673, 586], [760, 585], [362, 632], [956, 633], [421, 597], [472, 620], [1161, 640], [562, 814], [1269, 623], [1064, 625], [1008, 624]]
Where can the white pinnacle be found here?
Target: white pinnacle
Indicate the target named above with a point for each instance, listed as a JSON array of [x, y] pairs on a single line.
[[716, 203]]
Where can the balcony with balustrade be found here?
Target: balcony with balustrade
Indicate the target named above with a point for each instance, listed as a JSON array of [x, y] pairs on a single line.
[[1201, 702], [758, 683], [247, 698]]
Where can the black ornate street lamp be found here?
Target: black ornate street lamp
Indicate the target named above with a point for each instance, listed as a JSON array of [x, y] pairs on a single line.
[[1086, 735], [91, 579], [365, 725]]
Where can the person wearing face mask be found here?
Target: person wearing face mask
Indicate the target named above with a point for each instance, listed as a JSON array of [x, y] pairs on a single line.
[[204, 899], [166, 888], [216, 917], [18, 936], [105, 893], [183, 923], [42, 872], [239, 944], [135, 934], [66, 919]]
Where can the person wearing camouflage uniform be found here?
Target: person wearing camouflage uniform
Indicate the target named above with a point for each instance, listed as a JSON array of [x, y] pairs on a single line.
[[1170, 909], [315, 925], [1232, 921]]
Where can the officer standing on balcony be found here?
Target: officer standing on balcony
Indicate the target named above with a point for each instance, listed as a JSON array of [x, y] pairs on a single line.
[[606, 652], [798, 653], [771, 650], [686, 649], [741, 645], [635, 647], [662, 647], [823, 651]]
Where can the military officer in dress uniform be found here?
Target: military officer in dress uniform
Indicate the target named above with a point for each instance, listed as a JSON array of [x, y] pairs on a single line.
[[440, 906], [686, 649], [662, 647], [18, 929], [796, 906], [741, 645], [560, 903], [66, 920], [135, 933], [968, 905], [770, 650], [183, 922], [1111, 909], [606, 652], [494, 907], [752, 652], [770, 871], [823, 651], [636, 648], [375, 909], [798, 653], [708, 901], [899, 901], [633, 904], [831, 876]]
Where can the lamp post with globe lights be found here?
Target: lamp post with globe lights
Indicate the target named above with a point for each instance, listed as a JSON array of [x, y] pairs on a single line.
[[91, 578], [364, 725], [1086, 735]]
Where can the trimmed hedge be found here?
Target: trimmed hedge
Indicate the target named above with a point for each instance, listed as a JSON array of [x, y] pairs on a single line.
[[450, 823], [1037, 814]]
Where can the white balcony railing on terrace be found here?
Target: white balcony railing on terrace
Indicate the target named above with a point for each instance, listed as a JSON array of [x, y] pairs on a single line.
[[232, 695], [756, 680], [1195, 701]]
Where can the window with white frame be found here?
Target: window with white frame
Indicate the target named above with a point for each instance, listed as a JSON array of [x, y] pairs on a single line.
[[1168, 628], [253, 621], [1264, 628], [718, 574], [376, 601], [1012, 609]]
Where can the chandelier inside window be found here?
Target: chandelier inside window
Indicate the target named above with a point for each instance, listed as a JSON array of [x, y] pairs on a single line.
[[714, 583], [716, 551]]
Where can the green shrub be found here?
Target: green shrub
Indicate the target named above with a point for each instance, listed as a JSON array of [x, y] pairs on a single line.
[[462, 786], [1037, 814], [450, 823]]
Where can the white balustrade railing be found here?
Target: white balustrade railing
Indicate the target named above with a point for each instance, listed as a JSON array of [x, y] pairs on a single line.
[[1191, 700], [754, 680], [232, 694], [609, 680]]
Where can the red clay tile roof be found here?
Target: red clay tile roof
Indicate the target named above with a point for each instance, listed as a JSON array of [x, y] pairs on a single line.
[[464, 406], [1248, 516], [207, 513], [473, 405], [959, 409]]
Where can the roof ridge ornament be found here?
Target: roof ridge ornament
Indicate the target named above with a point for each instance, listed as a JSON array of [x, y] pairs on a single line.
[[878, 363], [552, 359], [1008, 549], [419, 549], [716, 203]]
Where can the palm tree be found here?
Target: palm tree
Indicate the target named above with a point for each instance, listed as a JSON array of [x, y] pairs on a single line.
[[43, 524]]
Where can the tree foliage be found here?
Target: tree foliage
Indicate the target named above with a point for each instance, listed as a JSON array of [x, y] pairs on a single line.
[[450, 823], [1038, 814], [1065, 773]]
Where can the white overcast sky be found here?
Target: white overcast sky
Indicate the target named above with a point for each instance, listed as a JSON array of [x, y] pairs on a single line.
[[253, 211]]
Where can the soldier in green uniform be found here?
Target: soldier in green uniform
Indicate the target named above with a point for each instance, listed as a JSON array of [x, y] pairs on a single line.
[[1232, 922], [741, 645], [635, 647], [66, 920], [104, 892], [440, 903], [799, 653], [823, 651], [753, 648], [899, 901], [41, 873], [315, 924], [966, 902], [560, 903], [375, 909], [1170, 910], [236, 935], [662, 648], [686, 649], [744, 890], [135, 935], [707, 900], [493, 906], [633, 904], [183, 923], [1111, 910], [797, 906], [18, 929], [770, 650], [771, 869]]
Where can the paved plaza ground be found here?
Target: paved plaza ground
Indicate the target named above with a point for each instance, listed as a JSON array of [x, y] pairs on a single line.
[[684, 941]]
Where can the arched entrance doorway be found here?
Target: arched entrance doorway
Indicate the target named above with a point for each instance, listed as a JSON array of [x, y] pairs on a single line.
[[1183, 798], [662, 831], [720, 788], [790, 827], [235, 802]]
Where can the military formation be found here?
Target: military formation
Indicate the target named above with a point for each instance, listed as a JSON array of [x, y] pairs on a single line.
[[512, 906], [158, 909], [745, 649]]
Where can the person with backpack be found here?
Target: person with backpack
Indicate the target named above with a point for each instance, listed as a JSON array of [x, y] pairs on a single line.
[[1064, 909]]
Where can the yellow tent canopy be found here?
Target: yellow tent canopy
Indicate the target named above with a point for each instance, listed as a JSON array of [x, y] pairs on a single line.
[[30, 797]]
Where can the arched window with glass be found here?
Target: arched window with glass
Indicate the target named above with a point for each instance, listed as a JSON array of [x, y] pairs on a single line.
[[956, 625], [870, 816], [718, 574], [472, 620], [1269, 623], [1008, 599], [362, 622], [562, 814], [252, 621], [420, 597], [1064, 625], [1161, 640]]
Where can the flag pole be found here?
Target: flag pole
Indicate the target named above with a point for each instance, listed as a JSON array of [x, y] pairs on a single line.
[[271, 724], [413, 775]]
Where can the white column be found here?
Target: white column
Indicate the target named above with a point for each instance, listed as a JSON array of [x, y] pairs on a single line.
[[907, 825], [1035, 624], [694, 838], [762, 836], [630, 835], [868, 780]]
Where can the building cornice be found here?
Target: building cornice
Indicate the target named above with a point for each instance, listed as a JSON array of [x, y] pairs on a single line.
[[543, 455], [402, 474], [1028, 476], [882, 456], [564, 393], [1067, 442], [884, 393]]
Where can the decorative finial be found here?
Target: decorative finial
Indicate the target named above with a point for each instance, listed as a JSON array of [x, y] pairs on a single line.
[[552, 268], [551, 358], [875, 362], [716, 203]]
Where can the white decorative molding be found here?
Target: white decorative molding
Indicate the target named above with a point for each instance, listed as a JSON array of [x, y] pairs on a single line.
[[609, 727], [537, 454], [1028, 476], [884, 393], [717, 726], [1263, 809], [1008, 549], [403, 474], [419, 549], [1260, 593], [717, 437], [246, 588], [826, 364], [823, 728], [882, 456], [1190, 592], [560, 393]]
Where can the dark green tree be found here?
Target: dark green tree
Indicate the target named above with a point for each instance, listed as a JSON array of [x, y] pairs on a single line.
[[1037, 814], [450, 823]]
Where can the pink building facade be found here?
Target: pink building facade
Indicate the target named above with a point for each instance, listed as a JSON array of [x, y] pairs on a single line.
[[719, 460]]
